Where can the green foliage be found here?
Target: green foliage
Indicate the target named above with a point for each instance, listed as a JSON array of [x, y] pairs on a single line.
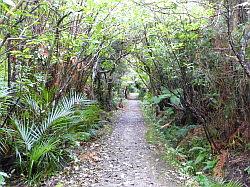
[[170, 48], [83, 136], [5, 99], [204, 181], [3, 175], [192, 156], [247, 169], [37, 143], [45, 127], [172, 96], [200, 159], [90, 116], [248, 146]]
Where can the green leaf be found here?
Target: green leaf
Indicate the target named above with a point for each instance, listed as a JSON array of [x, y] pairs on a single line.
[[83, 136], [247, 170], [209, 165], [59, 185], [196, 148], [41, 149], [199, 159], [175, 100]]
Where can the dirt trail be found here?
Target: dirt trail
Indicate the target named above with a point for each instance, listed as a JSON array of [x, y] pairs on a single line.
[[122, 159]]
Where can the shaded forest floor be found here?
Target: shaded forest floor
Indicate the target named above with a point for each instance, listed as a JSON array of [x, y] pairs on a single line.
[[122, 158]]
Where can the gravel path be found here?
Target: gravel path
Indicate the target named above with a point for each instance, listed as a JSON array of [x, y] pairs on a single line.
[[122, 159]]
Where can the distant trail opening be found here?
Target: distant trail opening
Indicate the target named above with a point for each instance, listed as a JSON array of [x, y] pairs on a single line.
[[133, 96]]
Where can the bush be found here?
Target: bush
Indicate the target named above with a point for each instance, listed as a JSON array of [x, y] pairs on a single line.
[[40, 133]]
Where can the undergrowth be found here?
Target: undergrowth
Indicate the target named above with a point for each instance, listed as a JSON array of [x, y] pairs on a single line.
[[191, 155], [38, 139]]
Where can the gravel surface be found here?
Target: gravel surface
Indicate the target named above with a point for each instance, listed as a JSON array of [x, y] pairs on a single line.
[[124, 158]]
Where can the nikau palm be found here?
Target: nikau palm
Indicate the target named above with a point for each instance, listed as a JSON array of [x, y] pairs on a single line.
[[36, 141]]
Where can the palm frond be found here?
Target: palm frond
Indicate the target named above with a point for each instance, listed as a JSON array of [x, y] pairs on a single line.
[[5, 99], [31, 132], [32, 103], [39, 152], [233, 184], [5, 134], [27, 133], [2, 146], [5, 92], [64, 108], [42, 148]]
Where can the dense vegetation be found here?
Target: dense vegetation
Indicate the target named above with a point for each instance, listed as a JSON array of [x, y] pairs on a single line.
[[64, 61]]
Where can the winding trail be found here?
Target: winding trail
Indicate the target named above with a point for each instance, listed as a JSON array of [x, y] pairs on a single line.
[[122, 159]]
